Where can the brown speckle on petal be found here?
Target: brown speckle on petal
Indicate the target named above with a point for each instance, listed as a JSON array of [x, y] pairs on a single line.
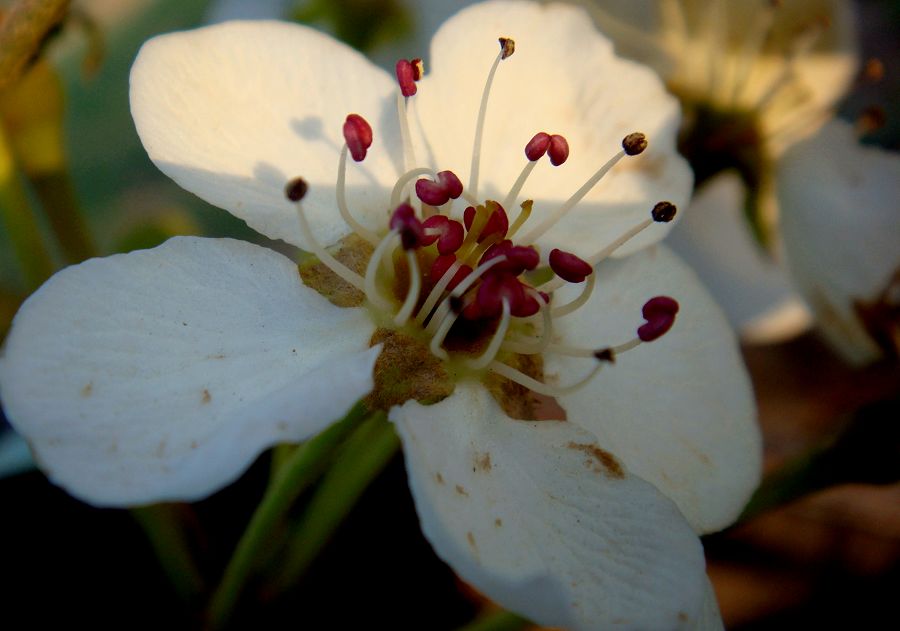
[[599, 460], [483, 462], [461, 490], [88, 389], [205, 397]]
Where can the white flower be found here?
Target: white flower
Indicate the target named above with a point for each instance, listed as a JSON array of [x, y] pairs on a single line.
[[842, 238], [161, 374], [755, 77]]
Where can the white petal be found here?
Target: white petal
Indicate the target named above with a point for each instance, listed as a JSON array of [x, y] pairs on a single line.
[[709, 619], [715, 240], [841, 229], [679, 411], [526, 513], [161, 374], [563, 79], [231, 112]]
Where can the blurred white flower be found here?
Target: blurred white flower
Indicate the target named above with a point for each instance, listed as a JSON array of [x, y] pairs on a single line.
[[161, 374]]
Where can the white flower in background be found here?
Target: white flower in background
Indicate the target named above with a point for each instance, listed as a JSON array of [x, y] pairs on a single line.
[[160, 374], [842, 238], [754, 77]]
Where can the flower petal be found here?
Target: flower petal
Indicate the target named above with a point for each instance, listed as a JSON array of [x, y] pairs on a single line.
[[563, 79], [231, 112], [542, 520], [755, 292], [841, 231], [678, 411], [161, 374], [709, 619]]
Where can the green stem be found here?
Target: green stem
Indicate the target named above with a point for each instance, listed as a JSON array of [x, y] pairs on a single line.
[[57, 195], [360, 460], [497, 621], [305, 465], [162, 525], [20, 222]]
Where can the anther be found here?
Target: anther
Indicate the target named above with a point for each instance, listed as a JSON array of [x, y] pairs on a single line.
[[408, 72], [442, 266], [497, 223], [358, 136], [447, 232], [295, 190], [507, 48], [635, 143], [659, 312], [537, 146], [559, 150], [568, 266], [438, 192], [405, 222], [605, 355], [663, 212]]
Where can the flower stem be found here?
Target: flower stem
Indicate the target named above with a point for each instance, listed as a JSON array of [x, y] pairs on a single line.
[[20, 221], [497, 621], [162, 525], [303, 466], [360, 460]]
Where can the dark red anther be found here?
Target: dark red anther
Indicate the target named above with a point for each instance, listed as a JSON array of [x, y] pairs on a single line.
[[418, 68], [447, 232], [442, 264], [357, 135], [537, 146], [437, 192], [432, 193], [494, 288], [469, 217], [524, 256], [659, 312], [545, 296], [518, 257], [526, 307], [497, 223], [568, 266], [559, 150], [451, 183], [406, 76], [411, 231]]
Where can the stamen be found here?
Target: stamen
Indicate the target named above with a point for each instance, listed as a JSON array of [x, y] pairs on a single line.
[[568, 266], [358, 136], [448, 233], [524, 214], [660, 315], [412, 294], [538, 387], [804, 43], [443, 188], [460, 289], [295, 190], [662, 212], [529, 347], [408, 72], [559, 150], [579, 301], [403, 180], [554, 217], [507, 48], [441, 334], [357, 227], [494, 347], [454, 272], [404, 220], [371, 289], [409, 157], [537, 146]]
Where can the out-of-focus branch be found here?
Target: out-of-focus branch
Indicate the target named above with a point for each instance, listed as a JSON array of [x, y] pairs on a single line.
[[22, 30]]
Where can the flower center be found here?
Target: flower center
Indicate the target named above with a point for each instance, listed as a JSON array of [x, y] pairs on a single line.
[[465, 295]]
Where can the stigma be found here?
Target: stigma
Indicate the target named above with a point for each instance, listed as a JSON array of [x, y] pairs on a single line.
[[462, 274]]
